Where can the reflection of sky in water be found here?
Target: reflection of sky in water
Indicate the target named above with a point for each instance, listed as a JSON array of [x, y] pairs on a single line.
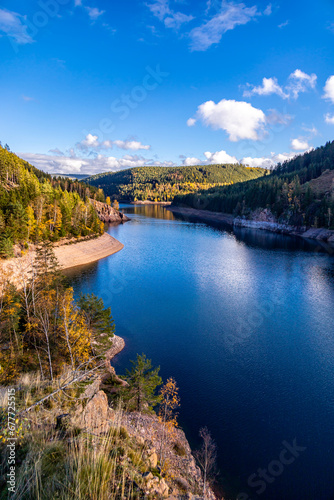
[[179, 290]]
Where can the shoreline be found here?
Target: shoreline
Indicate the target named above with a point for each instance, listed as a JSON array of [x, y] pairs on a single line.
[[148, 202], [315, 234], [87, 252], [68, 255], [204, 215]]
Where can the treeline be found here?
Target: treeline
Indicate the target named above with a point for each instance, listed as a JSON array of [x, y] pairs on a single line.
[[43, 327], [34, 206], [163, 183], [297, 192]]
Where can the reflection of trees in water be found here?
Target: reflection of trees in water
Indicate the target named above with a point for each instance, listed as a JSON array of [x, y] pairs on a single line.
[[273, 241], [152, 211]]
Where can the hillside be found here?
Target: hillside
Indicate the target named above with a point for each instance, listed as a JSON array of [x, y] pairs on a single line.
[[163, 183], [36, 207], [298, 192]]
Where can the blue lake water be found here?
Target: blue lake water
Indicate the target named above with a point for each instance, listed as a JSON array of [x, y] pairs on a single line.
[[244, 322]]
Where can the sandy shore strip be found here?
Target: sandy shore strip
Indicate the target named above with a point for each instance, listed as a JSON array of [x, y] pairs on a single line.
[[70, 255], [86, 252], [204, 215]]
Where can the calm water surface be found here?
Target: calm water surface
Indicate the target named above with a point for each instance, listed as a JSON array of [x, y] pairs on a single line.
[[245, 324]]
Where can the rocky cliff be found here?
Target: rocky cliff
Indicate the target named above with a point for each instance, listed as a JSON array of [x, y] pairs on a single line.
[[89, 434], [107, 213], [140, 438]]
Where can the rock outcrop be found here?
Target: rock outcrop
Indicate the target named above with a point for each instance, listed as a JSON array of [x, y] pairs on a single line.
[[96, 417], [107, 213]]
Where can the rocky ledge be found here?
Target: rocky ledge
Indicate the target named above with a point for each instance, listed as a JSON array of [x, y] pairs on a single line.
[[264, 219], [107, 213]]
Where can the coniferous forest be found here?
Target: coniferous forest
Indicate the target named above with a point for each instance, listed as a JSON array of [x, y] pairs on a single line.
[[298, 192], [34, 206], [163, 183]]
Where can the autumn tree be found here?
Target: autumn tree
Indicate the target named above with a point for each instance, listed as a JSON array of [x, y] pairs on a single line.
[[167, 414], [108, 202], [73, 329]]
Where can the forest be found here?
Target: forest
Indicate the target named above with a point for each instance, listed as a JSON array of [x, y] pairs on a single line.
[[163, 183], [42, 326], [299, 192], [34, 206]]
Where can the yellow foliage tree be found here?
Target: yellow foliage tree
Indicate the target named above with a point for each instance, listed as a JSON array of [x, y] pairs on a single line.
[[74, 330], [31, 221], [108, 202], [167, 412]]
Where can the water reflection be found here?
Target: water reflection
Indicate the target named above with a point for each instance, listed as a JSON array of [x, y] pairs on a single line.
[[186, 288]]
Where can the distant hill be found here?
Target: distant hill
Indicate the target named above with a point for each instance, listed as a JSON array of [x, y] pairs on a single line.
[[298, 192], [79, 177], [163, 183], [36, 207]]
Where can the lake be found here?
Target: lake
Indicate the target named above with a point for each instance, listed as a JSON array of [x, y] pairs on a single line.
[[244, 322]]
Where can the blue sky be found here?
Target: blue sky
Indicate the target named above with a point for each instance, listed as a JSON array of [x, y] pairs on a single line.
[[95, 85]]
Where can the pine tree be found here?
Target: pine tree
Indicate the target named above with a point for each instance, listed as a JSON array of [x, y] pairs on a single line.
[[143, 381]]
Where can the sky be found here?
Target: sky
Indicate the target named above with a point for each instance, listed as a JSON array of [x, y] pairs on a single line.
[[89, 86]]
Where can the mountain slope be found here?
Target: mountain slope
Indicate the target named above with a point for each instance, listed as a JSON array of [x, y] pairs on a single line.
[[298, 192], [35, 207], [163, 183]]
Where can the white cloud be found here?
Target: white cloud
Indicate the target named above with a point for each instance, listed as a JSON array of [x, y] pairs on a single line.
[[299, 144], [300, 82], [132, 145], [269, 86], [77, 3], [161, 9], [268, 161], [211, 32], [268, 10], [91, 142], [190, 161], [312, 131], [211, 159], [12, 25], [94, 13], [219, 157], [68, 164], [283, 25], [176, 19], [238, 118], [329, 119], [191, 122], [329, 89]]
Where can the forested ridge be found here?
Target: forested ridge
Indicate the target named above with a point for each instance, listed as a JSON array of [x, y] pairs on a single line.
[[34, 206], [163, 183], [298, 192]]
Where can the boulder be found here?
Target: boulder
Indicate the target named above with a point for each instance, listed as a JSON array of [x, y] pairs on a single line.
[[96, 417], [157, 488], [153, 459]]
